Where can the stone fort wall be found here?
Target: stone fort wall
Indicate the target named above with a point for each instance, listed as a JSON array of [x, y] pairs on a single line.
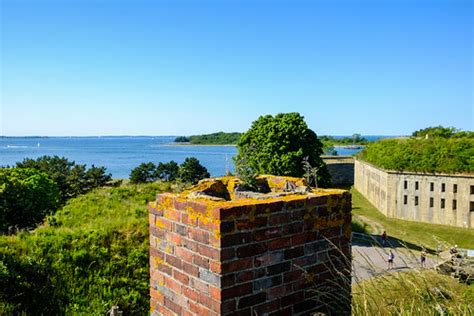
[[424, 197], [341, 169]]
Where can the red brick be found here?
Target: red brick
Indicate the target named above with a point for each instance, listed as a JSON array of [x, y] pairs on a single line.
[[181, 277], [191, 294], [251, 250], [244, 276], [227, 227], [173, 306], [198, 309], [279, 291], [200, 286], [198, 207], [198, 235], [184, 254], [179, 204], [201, 261], [208, 225], [188, 220], [215, 266], [246, 224], [267, 233], [173, 285], [208, 252], [237, 265], [292, 298], [267, 307], [172, 215], [190, 269], [189, 244], [238, 290], [228, 306], [174, 239], [163, 223], [235, 239], [173, 261], [279, 219], [215, 293], [293, 228], [227, 253], [279, 243], [205, 300]]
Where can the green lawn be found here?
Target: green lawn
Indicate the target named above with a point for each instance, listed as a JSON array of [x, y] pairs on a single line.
[[417, 233]]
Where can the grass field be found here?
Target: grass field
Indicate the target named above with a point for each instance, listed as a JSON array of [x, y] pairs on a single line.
[[415, 233], [422, 292]]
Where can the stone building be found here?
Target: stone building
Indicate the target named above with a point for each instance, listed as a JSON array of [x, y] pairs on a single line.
[[216, 250], [436, 198]]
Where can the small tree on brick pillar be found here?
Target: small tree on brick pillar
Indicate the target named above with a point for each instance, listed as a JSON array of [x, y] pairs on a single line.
[[284, 255]]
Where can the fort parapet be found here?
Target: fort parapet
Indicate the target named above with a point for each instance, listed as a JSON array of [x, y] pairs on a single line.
[[217, 250], [436, 198]]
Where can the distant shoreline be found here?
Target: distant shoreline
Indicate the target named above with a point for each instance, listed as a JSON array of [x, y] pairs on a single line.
[[191, 145]]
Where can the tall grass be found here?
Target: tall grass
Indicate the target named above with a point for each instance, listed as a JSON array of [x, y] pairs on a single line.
[[89, 256]]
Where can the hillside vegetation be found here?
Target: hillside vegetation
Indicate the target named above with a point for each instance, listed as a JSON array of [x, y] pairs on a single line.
[[92, 254], [443, 155], [219, 138]]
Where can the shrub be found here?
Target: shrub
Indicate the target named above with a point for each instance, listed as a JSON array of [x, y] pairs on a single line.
[[192, 171], [449, 155], [26, 197], [72, 179], [277, 145], [144, 173]]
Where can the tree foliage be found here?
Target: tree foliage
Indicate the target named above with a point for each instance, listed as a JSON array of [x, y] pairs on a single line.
[[446, 155], [219, 138], [443, 132], [26, 197], [192, 171], [145, 172], [167, 171], [72, 179], [277, 145], [181, 139], [189, 171]]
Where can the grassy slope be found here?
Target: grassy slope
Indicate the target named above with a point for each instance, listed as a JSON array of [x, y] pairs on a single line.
[[414, 293], [413, 232], [91, 255]]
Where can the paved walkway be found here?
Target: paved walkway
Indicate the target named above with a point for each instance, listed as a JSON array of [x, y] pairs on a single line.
[[369, 260]]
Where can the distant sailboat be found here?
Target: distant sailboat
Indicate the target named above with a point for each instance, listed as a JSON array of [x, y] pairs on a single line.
[[38, 145]]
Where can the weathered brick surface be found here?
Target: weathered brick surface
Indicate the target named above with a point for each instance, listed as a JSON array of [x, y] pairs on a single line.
[[250, 257]]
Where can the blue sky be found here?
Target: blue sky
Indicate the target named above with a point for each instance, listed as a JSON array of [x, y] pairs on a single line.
[[108, 67]]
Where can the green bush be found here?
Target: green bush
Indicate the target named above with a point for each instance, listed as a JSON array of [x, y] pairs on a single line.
[[191, 171], [26, 197], [91, 256], [447, 155], [277, 145], [181, 139], [145, 172], [72, 179]]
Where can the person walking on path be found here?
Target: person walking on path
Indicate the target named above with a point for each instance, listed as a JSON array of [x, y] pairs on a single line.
[[391, 257], [423, 258], [384, 238]]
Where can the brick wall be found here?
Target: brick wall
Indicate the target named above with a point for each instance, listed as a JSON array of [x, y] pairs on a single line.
[[274, 256]]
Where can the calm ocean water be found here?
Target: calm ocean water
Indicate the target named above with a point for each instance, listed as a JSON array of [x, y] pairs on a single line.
[[120, 154]]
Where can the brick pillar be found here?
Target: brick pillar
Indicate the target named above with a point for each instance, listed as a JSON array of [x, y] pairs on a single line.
[[274, 255]]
